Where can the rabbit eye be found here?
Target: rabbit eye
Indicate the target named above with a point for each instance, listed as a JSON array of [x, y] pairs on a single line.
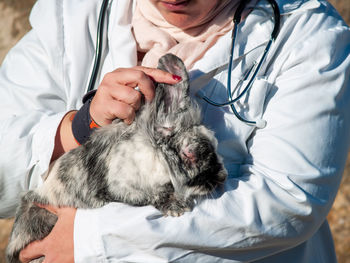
[[169, 129]]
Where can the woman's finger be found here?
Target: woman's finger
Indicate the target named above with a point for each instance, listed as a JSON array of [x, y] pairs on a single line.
[[134, 78], [34, 250], [127, 95], [160, 75], [50, 208], [115, 109], [122, 111]]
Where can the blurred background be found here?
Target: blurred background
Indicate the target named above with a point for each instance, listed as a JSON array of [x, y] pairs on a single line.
[[14, 21]]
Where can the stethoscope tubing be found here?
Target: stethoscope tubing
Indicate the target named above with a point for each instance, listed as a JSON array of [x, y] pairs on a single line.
[[274, 34], [99, 46]]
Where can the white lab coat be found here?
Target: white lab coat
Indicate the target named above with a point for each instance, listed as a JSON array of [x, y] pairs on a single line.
[[282, 179]]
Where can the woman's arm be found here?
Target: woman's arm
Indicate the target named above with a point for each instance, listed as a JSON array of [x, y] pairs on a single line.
[[64, 138]]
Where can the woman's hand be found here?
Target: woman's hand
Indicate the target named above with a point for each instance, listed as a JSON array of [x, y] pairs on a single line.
[[116, 96], [58, 246]]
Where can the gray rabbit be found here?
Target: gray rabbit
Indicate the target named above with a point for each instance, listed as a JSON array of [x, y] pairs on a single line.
[[165, 158]]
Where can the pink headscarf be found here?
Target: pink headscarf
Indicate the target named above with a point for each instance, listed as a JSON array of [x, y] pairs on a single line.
[[156, 37]]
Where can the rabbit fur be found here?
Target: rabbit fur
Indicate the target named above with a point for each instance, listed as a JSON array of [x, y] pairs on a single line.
[[165, 158]]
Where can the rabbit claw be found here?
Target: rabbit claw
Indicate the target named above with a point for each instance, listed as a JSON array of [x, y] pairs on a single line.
[[176, 208]]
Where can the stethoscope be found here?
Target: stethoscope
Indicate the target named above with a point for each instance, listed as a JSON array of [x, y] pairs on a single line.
[[253, 71]]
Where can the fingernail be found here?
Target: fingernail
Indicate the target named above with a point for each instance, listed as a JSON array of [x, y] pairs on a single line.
[[176, 77]]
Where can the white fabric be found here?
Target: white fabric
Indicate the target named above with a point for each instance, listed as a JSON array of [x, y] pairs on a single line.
[[283, 178]]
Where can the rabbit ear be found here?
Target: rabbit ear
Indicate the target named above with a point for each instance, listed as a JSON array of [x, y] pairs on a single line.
[[175, 97]]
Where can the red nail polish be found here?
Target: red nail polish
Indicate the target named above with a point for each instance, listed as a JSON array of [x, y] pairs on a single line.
[[176, 77]]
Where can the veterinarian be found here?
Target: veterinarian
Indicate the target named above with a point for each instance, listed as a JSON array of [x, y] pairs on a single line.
[[283, 175]]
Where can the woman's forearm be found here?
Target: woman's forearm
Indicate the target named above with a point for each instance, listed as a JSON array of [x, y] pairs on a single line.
[[64, 139]]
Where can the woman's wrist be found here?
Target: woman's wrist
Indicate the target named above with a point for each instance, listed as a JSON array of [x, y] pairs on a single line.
[[83, 124]]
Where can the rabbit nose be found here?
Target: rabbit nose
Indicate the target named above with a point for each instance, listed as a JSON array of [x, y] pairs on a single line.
[[188, 154]]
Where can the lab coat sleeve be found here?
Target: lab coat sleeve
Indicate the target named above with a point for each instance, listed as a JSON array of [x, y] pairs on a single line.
[[31, 107], [286, 187]]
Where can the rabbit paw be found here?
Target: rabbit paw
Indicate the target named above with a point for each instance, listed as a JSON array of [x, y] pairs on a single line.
[[176, 208]]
